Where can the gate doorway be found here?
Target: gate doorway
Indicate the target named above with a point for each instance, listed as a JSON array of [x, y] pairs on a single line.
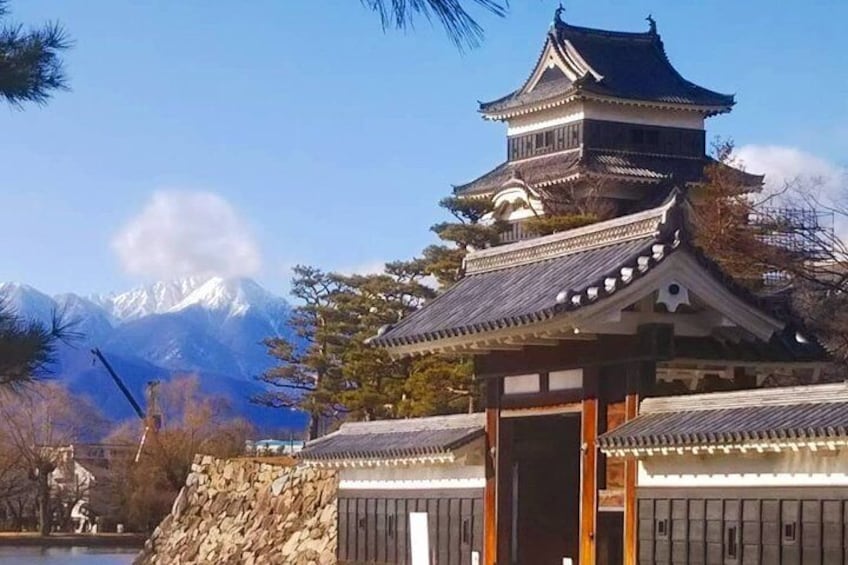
[[544, 489]]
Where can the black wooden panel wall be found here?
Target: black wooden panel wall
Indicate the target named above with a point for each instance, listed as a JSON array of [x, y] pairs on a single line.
[[373, 526], [794, 528]]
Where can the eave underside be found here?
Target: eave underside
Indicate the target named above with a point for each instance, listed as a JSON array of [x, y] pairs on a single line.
[[559, 168]]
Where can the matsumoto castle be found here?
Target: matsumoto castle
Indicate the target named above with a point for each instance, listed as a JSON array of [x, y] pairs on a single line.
[[630, 413]]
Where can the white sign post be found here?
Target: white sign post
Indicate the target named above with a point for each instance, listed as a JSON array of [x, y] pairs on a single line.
[[419, 538]]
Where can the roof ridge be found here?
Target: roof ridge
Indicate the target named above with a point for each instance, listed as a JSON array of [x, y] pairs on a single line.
[[600, 234], [448, 421], [751, 398], [649, 35]]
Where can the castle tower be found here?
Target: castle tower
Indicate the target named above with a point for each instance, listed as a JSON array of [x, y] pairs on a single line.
[[603, 123]]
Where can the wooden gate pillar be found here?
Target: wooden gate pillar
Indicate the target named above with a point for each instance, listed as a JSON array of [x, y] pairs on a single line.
[[490, 497], [640, 381], [589, 468], [631, 405]]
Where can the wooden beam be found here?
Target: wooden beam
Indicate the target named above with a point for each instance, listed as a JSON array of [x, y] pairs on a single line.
[[701, 324], [504, 491], [589, 471], [490, 513], [540, 399], [500, 346], [566, 355], [630, 548], [640, 381], [614, 350], [543, 341]]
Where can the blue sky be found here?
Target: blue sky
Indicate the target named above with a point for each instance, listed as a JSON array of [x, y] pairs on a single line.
[[279, 132]]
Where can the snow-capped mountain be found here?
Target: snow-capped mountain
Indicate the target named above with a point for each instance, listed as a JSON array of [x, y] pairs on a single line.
[[27, 302], [233, 298], [213, 327], [156, 298]]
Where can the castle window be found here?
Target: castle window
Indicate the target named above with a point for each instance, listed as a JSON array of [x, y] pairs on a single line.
[[574, 135], [547, 141], [644, 138], [652, 137]]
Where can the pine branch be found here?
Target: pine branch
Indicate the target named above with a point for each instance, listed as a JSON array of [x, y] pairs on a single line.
[[31, 67], [462, 29], [28, 348]]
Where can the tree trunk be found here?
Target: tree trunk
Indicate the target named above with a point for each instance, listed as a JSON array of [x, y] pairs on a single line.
[[313, 425], [43, 503]]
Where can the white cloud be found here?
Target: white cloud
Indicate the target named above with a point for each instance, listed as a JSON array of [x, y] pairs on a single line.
[[787, 164], [182, 233], [827, 182]]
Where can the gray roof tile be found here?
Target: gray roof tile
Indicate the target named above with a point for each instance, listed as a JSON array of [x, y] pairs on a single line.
[[631, 65], [818, 412], [554, 168], [513, 296], [385, 439]]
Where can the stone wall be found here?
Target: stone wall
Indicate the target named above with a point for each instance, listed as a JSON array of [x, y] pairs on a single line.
[[244, 511]]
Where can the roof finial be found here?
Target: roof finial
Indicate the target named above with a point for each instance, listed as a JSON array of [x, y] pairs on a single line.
[[652, 23], [558, 15]]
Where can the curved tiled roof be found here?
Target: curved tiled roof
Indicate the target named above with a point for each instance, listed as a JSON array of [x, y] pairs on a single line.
[[537, 171], [534, 280], [390, 439], [622, 65], [782, 415], [554, 168]]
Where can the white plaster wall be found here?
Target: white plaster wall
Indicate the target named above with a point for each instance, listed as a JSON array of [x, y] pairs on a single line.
[[593, 110], [641, 115], [413, 478], [565, 114], [792, 469], [413, 473], [467, 471], [534, 205]]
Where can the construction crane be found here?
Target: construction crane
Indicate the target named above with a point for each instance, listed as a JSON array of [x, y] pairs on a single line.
[[152, 418]]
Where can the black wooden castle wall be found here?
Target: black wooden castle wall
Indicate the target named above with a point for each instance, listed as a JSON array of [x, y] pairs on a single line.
[[756, 527], [373, 525]]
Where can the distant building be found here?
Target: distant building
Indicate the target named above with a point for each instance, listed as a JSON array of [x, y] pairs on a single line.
[[274, 447], [83, 483]]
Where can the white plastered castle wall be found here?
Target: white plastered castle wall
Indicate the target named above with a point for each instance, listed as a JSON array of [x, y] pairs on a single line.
[[466, 471], [800, 468], [595, 110]]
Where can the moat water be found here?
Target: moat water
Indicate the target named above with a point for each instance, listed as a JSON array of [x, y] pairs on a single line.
[[69, 555]]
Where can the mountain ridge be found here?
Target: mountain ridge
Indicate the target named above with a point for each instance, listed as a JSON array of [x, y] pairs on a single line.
[[213, 327]]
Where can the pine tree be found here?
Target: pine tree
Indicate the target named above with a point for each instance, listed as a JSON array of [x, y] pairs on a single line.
[[330, 371], [310, 364], [31, 67], [571, 207], [440, 385], [373, 380], [470, 231], [27, 347]]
